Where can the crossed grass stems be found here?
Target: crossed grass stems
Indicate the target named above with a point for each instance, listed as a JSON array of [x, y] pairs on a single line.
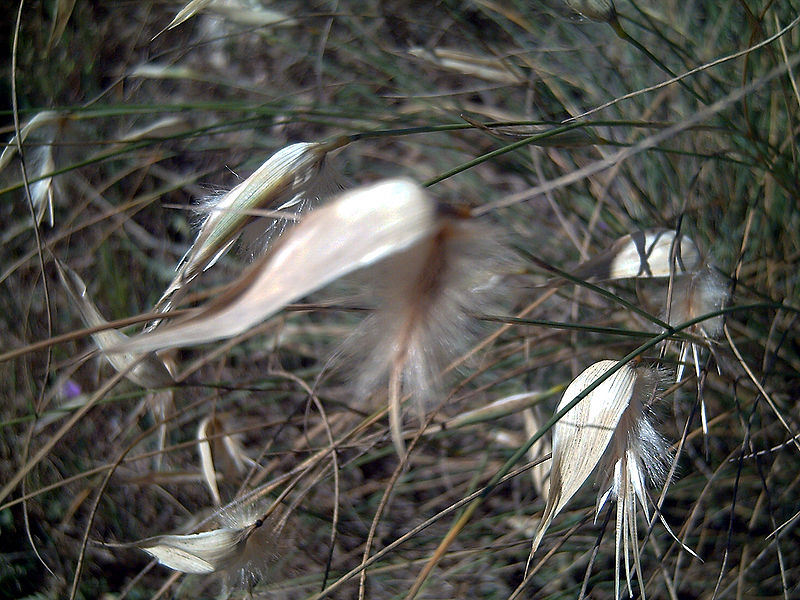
[[474, 501]]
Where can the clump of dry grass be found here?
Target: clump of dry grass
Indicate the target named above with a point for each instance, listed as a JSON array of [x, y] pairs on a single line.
[[642, 166]]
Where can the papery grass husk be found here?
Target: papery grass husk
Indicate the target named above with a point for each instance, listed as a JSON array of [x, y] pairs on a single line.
[[220, 453], [242, 552], [608, 431], [643, 254], [701, 293], [200, 553], [240, 12], [357, 229], [637, 456], [540, 474], [292, 180], [581, 436], [42, 130], [692, 296], [145, 369], [44, 119], [42, 164]]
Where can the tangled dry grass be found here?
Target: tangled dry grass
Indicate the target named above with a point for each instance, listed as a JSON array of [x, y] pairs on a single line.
[[356, 379]]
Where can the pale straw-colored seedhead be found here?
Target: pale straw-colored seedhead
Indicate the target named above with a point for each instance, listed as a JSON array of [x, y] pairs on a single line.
[[237, 11], [42, 130], [540, 473], [160, 128], [42, 120], [359, 228], [287, 184], [693, 296], [644, 254], [221, 453], [201, 553], [581, 436], [42, 164], [244, 551], [607, 430], [697, 294]]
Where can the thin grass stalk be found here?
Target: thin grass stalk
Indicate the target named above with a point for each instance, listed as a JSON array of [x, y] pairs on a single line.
[[646, 144]]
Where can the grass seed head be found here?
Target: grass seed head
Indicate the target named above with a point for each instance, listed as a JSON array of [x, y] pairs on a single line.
[[654, 253], [42, 164], [608, 430], [145, 369], [540, 474], [270, 539], [581, 436], [359, 228], [695, 295], [220, 452], [242, 551], [202, 553], [45, 119], [290, 182], [42, 129]]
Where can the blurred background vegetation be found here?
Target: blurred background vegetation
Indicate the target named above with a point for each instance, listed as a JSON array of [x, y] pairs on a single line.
[[472, 98]]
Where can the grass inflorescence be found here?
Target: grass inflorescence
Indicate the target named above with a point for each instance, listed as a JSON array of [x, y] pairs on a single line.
[[307, 300]]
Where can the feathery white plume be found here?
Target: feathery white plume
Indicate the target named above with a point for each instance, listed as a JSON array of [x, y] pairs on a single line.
[[428, 296], [609, 427], [693, 296], [359, 228], [288, 182]]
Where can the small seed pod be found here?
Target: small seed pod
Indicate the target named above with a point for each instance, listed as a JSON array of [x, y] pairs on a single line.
[[643, 254], [357, 229], [608, 428]]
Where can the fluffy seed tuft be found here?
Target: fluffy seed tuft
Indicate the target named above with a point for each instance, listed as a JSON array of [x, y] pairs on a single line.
[[609, 429], [288, 182], [427, 300]]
